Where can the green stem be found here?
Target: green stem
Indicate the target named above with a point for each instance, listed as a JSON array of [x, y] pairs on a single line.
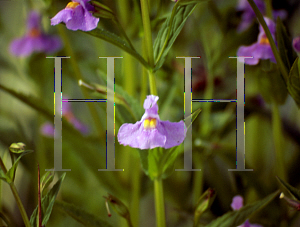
[[278, 141], [269, 9], [147, 31], [148, 43], [136, 190], [17, 197], [152, 82], [159, 203], [20, 205], [261, 20]]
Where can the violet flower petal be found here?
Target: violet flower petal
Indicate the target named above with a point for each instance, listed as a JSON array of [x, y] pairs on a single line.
[[22, 46], [237, 202], [62, 16], [296, 44], [47, 129], [135, 136], [174, 131]]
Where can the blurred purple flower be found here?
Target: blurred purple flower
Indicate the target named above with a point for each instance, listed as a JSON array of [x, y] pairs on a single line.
[[76, 16], [237, 203], [296, 44], [150, 131], [35, 40], [261, 49], [47, 129], [248, 14]]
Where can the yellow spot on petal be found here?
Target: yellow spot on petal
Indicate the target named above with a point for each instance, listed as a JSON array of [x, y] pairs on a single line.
[[72, 5], [34, 33], [149, 123], [146, 124], [264, 40], [153, 123]]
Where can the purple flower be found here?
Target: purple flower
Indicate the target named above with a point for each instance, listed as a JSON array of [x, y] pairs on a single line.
[[47, 129], [261, 49], [76, 16], [248, 14], [237, 203], [35, 40], [296, 44], [150, 131]]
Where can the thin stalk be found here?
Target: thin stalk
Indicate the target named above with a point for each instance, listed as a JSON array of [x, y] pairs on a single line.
[[136, 190], [20, 205], [39, 198], [149, 46], [282, 68], [269, 9], [147, 31], [152, 83], [159, 203], [144, 89], [278, 141], [17, 197]]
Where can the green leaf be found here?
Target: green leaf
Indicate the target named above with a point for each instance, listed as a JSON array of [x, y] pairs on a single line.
[[284, 43], [81, 216], [169, 32], [47, 203], [46, 179], [188, 2], [119, 42], [3, 176], [293, 83], [238, 217], [144, 160], [17, 147], [292, 191], [12, 171], [30, 100]]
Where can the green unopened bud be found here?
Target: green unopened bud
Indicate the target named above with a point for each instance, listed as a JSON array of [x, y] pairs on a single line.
[[204, 204], [101, 10], [293, 203], [118, 206], [17, 147]]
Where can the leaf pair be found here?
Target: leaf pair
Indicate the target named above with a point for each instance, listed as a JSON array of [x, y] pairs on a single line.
[[47, 201]]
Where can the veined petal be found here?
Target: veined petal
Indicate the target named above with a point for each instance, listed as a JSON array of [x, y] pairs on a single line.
[[174, 131], [136, 136], [82, 20], [62, 16]]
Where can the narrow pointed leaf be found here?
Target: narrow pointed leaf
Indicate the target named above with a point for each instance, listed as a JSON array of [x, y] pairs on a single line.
[[293, 83], [81, 215], [284, 43], [293, 191], [169, 31], [12, 171], [238, 217], [119, 42], [47, 203]]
